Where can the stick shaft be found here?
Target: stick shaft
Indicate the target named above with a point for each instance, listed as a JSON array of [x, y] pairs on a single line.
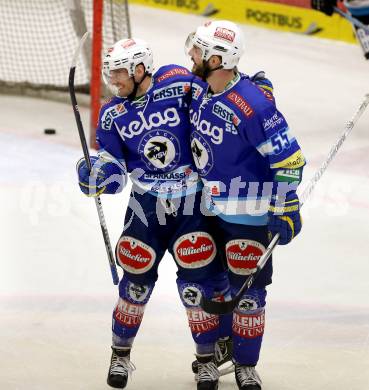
[[225, 307], [86, 154]]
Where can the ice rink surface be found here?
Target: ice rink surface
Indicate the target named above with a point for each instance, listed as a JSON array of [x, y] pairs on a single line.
[[56, 294]]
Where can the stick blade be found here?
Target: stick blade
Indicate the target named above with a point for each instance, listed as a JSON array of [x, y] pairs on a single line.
[[214, 307], [78, 50]]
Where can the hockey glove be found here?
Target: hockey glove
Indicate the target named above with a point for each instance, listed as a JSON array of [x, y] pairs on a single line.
[[325, 6], [284, 218], [108, 176], [261, 81]]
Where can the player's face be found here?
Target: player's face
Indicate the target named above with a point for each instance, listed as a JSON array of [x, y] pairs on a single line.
[[198, 64], [122, 82]]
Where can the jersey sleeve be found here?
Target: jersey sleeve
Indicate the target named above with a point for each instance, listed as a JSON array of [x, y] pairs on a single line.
[[270, 134]]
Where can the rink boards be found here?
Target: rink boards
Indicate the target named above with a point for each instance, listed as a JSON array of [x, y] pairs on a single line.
[[267, 14]]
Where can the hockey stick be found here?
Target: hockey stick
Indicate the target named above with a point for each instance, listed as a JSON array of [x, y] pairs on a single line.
[[361, 30], [214, 307], [86, 154], [351, 19]]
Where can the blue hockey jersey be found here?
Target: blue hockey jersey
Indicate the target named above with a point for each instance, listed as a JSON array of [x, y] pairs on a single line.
[[151, 135], [239, 141]]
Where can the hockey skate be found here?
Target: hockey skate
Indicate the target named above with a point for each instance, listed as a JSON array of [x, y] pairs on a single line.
[[120, 368], [223, 354], [247, 378], [208, 374]]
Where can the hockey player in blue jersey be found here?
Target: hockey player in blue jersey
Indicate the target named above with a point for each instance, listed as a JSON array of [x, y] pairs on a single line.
[[251, 165], [144, 130]]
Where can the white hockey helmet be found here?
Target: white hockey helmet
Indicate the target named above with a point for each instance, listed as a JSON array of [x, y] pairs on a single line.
[[127, 54], [220, 38]]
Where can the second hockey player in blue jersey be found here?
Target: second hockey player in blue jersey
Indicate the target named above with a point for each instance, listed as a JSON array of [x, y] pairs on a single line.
[[251, 164]]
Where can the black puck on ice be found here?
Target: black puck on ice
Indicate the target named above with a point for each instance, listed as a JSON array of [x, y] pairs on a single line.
[[49, 131]]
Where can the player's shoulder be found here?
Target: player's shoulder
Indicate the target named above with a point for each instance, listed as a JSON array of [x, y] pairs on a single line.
[[111, 102], [249, 99], [170, 73], [111, 109]]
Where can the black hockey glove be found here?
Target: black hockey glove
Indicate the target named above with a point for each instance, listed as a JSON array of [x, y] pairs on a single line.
[[325, 6]]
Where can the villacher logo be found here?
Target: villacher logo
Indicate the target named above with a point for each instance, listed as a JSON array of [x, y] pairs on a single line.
[[194, 250], [134, 255], [243, 255]]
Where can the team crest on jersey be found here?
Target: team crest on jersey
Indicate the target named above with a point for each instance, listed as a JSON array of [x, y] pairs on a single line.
[[191, 294], [110, 114], [134, 255], [194, 250], [243, 255], [171, 91], [160, 150], [202, 154]]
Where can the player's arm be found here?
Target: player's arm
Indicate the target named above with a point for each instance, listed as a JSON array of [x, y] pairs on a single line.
[[109, 172], [273, 139]]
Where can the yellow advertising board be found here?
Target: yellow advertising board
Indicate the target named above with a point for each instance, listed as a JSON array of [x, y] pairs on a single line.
[[266, 14]]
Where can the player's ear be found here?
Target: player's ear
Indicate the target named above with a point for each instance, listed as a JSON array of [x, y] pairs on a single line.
[[215, 61], [140, 70]]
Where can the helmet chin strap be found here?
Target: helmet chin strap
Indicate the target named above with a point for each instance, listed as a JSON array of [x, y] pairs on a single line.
[[136, 84], [207, 70]]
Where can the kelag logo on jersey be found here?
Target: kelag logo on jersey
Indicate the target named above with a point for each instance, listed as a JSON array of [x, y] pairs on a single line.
[[168, 117], [110, 114], [171, 91], [202, 154], [205, 127], [159, 149]]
